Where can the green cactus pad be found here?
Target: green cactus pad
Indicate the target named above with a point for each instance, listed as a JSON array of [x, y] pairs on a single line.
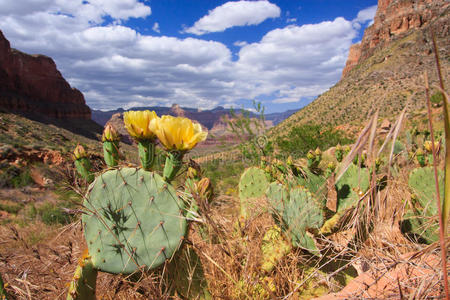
[[313, 183], [354, 181], [273, 247], [277, 195], [134, 220], [421, 181], [83, 284], [253, 184], [302, 213], [420, 222]]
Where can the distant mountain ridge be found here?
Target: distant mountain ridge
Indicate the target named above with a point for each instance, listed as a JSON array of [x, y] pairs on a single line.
[[386, 68], [208, 118]]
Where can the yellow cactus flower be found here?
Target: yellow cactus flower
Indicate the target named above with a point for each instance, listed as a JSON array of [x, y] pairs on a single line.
[[178, 133], [138, 124]]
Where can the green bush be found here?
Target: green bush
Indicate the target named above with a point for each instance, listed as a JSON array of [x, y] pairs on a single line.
[[303, 138], [14, 177], [437, 99], [51, 214]]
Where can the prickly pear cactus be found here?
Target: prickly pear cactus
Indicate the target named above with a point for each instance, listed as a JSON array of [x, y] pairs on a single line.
[[351, 186], [421, 182], [311, 181], [302, 214], [134, 221], [419, 221], [83, 284], [277, 195], [252, 185], [273, 247]]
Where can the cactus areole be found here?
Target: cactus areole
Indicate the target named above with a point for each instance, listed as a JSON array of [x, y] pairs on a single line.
[[134, 221]]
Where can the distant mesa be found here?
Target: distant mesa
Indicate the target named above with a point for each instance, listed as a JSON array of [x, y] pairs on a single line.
[[207, 118], [33, 84]]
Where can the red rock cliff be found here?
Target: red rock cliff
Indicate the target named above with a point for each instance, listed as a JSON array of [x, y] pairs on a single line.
[[32, 83], [392, 19], [353, 57]]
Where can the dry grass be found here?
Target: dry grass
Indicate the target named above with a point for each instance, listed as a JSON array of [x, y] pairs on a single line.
[[231, 257]]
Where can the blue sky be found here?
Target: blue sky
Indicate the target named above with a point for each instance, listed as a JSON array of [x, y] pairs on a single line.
[[197, 53]]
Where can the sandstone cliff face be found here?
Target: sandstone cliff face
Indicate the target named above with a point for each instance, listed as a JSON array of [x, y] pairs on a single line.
[[32, 84], [393, 19], [353, 58]]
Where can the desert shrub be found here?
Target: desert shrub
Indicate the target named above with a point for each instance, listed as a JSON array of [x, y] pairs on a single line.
[[224, 175], [14, 177], [437, 99], [52, 214], [303, 138]]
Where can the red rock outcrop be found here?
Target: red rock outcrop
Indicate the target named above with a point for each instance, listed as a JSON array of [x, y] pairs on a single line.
[[392, 19], [33, 84], [177, 111], [353, 57]]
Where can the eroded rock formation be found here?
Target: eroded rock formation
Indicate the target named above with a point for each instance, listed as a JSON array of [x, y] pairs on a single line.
[[394, 18], [33, 84]]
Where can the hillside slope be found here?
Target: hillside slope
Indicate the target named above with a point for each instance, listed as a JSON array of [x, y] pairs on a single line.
[[389, 69]]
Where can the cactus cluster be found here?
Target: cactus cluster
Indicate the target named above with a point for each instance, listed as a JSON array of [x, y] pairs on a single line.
[[296, 200], [134, 220], [419, 221]]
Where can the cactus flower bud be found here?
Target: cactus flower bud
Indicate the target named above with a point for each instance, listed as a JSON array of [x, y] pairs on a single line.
[[318, 152], [110, 134], [290, 161], [79, 152], [310, 155], [331, 166]]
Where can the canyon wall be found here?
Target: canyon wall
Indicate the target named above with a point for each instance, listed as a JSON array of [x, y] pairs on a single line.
[[33, 84], [393, 19]]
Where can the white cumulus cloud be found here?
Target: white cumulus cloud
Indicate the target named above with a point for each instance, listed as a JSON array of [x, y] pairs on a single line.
[[155, 27], [235, 13], [366, 15], [115, 66]]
